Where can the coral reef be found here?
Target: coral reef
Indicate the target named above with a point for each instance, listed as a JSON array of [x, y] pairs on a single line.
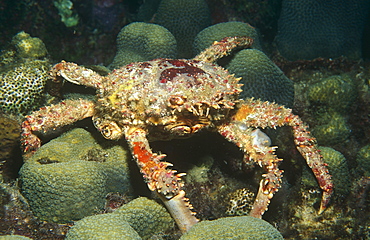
[[23, 74], [138, 42], [66, 12], [363, 160], [311, 29], [240, 202], [242, 227], [103, 226], [70, 177], [184, 19], [217, 32], [139, 219], [262, 79]]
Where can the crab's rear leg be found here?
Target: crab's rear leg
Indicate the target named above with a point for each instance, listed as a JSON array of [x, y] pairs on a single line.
[[222, 48], [165, 182], [255, 113], [51, 117]]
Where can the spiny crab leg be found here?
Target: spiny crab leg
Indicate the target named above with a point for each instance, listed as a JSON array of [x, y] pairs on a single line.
[[165, 182], [255, 113], [53, 116]]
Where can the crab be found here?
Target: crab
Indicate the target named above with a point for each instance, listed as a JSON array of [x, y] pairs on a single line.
[[165, 99]]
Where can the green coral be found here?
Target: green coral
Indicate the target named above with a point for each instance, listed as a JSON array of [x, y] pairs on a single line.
[[104, 226], [337, 92], [331, 128], [140, 41], [139, 219], [363, 160], [217, 32], [65, 10], [243, 227], [146, 216], [184, 19], [261, 77], [69, 177]]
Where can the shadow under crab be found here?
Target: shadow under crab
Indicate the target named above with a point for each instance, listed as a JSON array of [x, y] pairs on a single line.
[[164, 99]]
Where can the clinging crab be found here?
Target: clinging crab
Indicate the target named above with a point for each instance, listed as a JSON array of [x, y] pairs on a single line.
[[165, 99]]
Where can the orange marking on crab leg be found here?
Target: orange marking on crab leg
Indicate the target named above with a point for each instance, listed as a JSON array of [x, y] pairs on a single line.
[[159, 178]]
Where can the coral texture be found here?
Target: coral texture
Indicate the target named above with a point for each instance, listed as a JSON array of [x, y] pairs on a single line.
[[184, 19], [14, 237], [262, 79], [217, 32], [70, 176], [311, 29], [363, 160], [140, 41], [103, 226], [243, 227]]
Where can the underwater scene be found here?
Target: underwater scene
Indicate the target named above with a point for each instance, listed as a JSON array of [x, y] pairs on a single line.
[[185, 119]]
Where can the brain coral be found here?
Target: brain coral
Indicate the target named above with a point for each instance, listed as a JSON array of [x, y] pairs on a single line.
[[140, 41], [261, 77], [337, 92], [184, 19], [22, 86], [146, 216], [139, 219], [103, 226], [331, 128], [69, 177], [243, 227], [310, 29], [217, 32]]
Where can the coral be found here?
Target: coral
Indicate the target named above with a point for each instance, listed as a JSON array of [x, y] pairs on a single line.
[[262, 79], [240, 202], [311, 29], [14, 237], [146, 216], [103, 226], [28, 47], [184, 19], [68, 16], [10, 132], [331, 128], [336, 92], [140, 41], [243, 227], [139, 219], [217, 32], [363, 160], [23, 74], [69, 177], [22, 86]]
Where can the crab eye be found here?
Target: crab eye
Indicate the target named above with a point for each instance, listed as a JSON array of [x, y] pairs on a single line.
[[176, 100], [110, 130]]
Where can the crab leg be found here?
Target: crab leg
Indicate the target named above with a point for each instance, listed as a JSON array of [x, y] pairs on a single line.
[[159, 178], [222, 48], [255, 113], [51, 117]]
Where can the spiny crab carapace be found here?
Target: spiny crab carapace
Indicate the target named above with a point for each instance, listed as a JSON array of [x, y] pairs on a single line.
[[166, 99]]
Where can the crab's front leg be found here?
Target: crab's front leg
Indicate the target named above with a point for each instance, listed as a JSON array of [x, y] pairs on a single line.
[[165, 182], [255, 113], [256, 147], [53, 116]]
